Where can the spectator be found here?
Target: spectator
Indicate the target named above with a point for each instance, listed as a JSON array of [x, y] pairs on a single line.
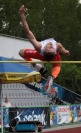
[[6, 102]]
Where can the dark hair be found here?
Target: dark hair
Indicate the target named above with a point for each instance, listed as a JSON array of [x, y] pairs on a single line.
[[48, 56]]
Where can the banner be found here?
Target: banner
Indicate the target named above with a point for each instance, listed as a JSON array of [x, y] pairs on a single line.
[[5, 112], [73, 113], [0, 117], [32, 114], [78, 109], [53, 115], [63, 93], [63, 114]]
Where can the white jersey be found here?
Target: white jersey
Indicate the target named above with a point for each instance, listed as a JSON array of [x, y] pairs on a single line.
[[45, 42], [8, 104]]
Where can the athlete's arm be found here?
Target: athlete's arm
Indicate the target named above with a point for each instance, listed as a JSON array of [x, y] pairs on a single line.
[[62, 50], [29, 34]]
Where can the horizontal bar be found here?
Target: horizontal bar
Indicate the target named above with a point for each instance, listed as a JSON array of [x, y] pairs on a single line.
[[71, 62]]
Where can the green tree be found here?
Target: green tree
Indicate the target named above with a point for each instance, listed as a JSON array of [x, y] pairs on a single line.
[[10, 19], [62, 23], [70, 77]]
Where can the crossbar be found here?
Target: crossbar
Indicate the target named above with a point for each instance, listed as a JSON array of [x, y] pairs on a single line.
[[18, 61]]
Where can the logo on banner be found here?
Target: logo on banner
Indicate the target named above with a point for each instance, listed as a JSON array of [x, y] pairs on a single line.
[[37, 85], [31, 115]]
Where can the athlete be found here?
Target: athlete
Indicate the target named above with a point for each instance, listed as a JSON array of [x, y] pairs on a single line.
[[47, 50]]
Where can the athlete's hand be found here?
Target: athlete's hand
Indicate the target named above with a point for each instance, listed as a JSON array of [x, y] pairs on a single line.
[[67, 53], [22, 10]]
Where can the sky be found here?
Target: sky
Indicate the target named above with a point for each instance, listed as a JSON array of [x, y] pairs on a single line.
[[80, 1]]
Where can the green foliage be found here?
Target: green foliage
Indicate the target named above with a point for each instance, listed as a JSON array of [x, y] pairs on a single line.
[[70, 77], [49, 68]]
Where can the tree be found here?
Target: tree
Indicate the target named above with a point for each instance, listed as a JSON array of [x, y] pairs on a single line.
[[10, 20], [70, 77]]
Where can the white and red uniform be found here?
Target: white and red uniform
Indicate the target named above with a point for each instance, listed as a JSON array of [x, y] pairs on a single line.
[[45, 42]]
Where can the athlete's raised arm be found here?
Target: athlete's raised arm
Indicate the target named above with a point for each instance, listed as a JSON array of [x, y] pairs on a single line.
[[62, 50], [29, 34]]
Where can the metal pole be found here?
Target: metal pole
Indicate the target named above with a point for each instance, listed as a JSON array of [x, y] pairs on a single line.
[[1, 119], [1, 109]]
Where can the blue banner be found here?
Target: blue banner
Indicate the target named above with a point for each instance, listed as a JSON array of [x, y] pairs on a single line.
[[0, 117], [53, 115], [5, 113], [78, 109], [32, 114], [63, 93]]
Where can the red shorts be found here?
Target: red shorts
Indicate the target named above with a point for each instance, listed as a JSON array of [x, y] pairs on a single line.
[[31, 53]]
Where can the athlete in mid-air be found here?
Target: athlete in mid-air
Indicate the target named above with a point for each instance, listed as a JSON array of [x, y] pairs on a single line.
[[46, 50]]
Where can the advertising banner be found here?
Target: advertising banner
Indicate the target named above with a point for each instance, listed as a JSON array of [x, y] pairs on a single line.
[[0, 117], [62, 92], [33, 114], [63, 114], [78, 109], [73, 113], [5, 113], [6, 117], [53, 115]]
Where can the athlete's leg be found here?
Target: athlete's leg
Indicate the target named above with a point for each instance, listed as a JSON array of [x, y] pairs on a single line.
[[21, 53], [41, 69], [28, 54]]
